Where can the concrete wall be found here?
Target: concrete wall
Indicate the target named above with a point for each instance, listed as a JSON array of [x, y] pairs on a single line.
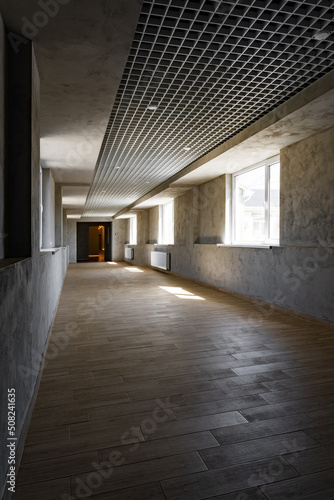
[[119, 237], [49, 216], [2, 136], [153, 225], [298, 275], [307, 186], [59, 217], [71, 239], [209, 206], [29, 293]]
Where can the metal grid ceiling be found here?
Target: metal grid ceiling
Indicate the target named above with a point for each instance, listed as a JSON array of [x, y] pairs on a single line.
[[210, 68]]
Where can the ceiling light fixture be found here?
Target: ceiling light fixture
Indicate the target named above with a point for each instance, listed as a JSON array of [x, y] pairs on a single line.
[[322, 35], [152, 107], [187, 148]]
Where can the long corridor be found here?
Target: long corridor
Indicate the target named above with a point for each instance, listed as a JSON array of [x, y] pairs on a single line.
[[156, 387]]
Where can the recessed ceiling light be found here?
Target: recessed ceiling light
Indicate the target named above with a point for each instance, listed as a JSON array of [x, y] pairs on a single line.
[[187, 149], [322, 35], [152, 108], [117, 168]]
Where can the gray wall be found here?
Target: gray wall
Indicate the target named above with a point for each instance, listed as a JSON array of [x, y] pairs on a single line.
[[209, 207], [2, 136], [48, 209], [119, 237], [298, 275], [71, 239], [307, 187], [59, 216], [153, 225], [29, 293]]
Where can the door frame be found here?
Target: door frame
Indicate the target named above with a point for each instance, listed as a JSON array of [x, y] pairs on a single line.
[[83, 240]]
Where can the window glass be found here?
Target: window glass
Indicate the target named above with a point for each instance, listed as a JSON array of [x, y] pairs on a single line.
[[274, 201], [249, 206], [256, 195], [166, 223], [133, 230]]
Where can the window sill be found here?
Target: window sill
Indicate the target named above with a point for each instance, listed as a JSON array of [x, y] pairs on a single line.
[[163, 244], [239, 245], [49, 250]]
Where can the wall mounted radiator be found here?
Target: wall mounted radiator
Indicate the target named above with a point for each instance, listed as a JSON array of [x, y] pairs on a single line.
[[160, 260], [128, 253]]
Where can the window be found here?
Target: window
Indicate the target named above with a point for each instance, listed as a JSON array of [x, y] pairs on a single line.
[[256, 195], [40, 208], [166, 223], [133, 230]]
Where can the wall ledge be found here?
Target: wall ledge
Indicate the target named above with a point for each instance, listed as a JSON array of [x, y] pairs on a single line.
[[265, 247], [4, 263], [54, 250]]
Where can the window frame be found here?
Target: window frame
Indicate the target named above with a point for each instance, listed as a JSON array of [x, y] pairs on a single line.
[[40, 208], [133, 230], [162, 222], [269, 162]]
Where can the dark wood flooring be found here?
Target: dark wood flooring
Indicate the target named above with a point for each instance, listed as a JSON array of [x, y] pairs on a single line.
[[156, 387]]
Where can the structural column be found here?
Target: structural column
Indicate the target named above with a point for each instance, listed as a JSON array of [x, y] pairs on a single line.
[[58, 216], [46, 218]]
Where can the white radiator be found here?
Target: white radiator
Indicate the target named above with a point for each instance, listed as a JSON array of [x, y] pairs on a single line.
[[160, 260], [128, 253]]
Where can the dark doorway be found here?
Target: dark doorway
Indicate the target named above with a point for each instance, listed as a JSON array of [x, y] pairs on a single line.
[[94, 241]]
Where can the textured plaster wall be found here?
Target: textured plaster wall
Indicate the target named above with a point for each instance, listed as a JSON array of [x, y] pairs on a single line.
[[299, 274], [59, 240], [307, 186], [119, 237], [209, 206], [64, 232], [186, 217], [48, 209], [29, 293], [142, 227], [71, 239], [2, 135], [153, 225]]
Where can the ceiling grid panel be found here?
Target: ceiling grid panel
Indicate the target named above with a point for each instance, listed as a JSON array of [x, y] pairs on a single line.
[[199, 72]]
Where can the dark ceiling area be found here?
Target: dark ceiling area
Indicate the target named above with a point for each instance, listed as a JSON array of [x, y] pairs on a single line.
[[199, 72]]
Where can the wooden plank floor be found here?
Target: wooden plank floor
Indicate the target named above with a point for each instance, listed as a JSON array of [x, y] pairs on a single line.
[[156, 387]]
